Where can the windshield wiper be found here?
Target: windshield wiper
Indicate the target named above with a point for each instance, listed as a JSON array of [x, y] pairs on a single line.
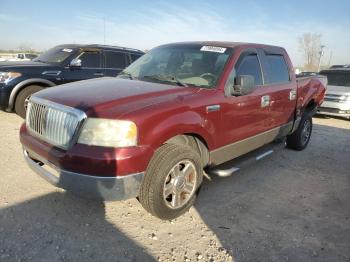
[[122, 73], [165, 78]]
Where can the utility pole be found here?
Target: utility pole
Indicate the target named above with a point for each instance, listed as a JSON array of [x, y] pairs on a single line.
[[321, 53], [330, 59]]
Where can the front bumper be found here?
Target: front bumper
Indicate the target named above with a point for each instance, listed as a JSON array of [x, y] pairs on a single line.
[[335, 109], [4, 96], [87, 186]]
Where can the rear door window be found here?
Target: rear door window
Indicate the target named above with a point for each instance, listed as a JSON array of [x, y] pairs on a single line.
[[134, 57], [277, 69], [90, 59], [250, 65], [115, 60]]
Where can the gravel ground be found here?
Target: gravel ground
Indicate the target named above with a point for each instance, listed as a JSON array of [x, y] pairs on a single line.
[[292, 206]]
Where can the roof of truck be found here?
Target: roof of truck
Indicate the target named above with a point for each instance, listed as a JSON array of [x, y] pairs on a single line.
[[223, 44], [111, 47]]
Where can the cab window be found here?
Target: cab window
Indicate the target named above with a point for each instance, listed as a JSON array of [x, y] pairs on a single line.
[[115, 59], [277, 68], [250, 65], [90, 59]]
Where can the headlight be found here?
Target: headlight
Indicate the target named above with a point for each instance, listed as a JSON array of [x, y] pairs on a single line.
[[6, 77], [109, 133]]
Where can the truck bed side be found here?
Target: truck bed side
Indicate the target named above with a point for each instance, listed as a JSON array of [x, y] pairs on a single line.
[[311, 90]]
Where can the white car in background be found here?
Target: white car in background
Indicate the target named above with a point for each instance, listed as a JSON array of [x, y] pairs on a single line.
[[337, 98], [23, 57]]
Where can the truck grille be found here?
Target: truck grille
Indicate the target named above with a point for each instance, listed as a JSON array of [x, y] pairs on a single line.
[[332, 98], [53, 123]]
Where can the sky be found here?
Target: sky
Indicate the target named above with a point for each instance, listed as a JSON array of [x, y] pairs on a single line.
[[146, 24]]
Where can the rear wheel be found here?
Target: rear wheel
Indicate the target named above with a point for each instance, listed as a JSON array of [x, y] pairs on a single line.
[[22, 99], [171, 181], [301, 137]]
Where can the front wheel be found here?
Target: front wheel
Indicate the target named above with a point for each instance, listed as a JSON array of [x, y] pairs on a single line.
[[301, 137], [23, 98], [171, 181]]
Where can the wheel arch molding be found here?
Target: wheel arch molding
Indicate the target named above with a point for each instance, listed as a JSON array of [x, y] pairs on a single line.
[[32, 81]]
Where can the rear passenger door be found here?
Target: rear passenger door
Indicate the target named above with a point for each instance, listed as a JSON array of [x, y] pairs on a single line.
[[115, 62], [282, 90]]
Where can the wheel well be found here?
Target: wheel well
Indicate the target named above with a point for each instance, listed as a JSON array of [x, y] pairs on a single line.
[[310, 106], [25, 86], [194, 141]]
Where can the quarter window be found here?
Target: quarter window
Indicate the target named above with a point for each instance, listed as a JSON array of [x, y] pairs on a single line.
[[90, 59], [278, 69], [115, 60], [250, 66]]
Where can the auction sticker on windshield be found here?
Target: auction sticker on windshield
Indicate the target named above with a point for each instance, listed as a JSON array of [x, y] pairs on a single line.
[[213, 49]]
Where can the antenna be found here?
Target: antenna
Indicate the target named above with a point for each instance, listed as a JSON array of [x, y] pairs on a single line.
[[104, 30]]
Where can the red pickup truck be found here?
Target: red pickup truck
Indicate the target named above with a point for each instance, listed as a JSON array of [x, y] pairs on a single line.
[[176, 113]]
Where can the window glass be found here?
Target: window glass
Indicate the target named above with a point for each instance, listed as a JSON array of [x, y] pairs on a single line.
[[115, 59], [90, 59], [250, 66], [337, 78], [180, 64], [55, 55], [278, 69], [134, 57]]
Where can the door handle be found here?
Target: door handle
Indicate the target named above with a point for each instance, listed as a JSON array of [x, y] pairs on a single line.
[[265, 101], [98, 74]]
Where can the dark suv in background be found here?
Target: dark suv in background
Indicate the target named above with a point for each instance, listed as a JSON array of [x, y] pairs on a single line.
[[59, 65]]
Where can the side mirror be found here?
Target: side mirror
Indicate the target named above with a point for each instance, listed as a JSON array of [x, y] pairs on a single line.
[[244, 85], [75, 63]]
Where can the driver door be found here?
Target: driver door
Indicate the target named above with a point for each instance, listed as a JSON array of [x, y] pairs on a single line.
[[91, 67], [246, 116]]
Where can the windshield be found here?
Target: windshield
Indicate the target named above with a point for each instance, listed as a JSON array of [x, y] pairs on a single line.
[[338, 78], [195, 65], [55, 55]]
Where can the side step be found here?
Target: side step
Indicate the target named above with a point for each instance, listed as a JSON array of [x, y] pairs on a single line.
[[228, 168]]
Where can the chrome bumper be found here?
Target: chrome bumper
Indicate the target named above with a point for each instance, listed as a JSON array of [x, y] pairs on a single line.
[[331, 112], [93, 187]]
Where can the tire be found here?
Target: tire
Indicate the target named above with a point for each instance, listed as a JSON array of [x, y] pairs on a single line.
[[301, 137], [161, 178], [24, 94]]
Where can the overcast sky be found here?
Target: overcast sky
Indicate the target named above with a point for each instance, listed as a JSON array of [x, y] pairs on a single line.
[[145, 24]]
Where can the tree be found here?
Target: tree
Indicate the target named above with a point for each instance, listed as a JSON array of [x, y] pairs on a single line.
[[310, 44]]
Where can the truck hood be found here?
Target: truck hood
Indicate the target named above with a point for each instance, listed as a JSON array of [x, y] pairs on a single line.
[[338, 90], [21, 64], [111, 97]]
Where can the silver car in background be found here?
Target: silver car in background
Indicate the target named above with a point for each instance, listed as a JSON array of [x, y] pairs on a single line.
[[337, 98]]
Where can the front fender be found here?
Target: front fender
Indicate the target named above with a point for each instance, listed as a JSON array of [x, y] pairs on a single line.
[[158, 132], [24, 83]]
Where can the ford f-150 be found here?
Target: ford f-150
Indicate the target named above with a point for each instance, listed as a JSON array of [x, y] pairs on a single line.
[[175, 114]]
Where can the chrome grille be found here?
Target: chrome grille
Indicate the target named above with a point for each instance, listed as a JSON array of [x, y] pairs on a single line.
[[53, 123], [332, 97]]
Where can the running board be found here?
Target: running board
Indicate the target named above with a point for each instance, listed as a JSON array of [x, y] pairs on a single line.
[[228, 168]]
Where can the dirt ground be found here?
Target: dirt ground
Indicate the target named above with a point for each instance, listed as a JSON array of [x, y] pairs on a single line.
[[291, 206]]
